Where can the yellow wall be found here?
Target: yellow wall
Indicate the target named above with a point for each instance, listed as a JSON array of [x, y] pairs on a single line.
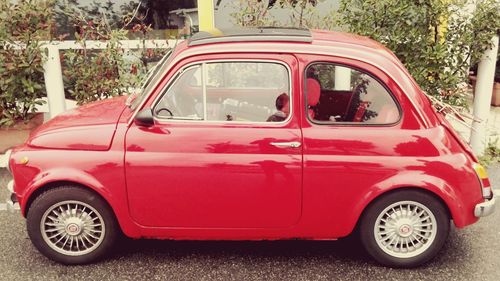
[[206, 15]]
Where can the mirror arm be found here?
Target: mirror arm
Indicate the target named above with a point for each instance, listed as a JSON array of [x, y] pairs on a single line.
[[144, 118]]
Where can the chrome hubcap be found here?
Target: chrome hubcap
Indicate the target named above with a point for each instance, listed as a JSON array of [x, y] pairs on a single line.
[[72, 228], [405, 229]]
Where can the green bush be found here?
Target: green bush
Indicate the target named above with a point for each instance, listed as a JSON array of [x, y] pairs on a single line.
[[491, 153], [23, 25], [91, 74], [301, 14], [434, 39]]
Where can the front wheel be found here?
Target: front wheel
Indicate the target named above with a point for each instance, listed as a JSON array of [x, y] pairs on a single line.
[[405, 228], [71, 225]]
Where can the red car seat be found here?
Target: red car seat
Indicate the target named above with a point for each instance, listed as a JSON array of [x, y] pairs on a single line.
[[313, 93]]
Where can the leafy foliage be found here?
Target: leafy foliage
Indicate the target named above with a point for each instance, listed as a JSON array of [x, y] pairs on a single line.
[[302, 14], [23, 25], [491, 154], [95, 10], [92, 75], [434, 39]]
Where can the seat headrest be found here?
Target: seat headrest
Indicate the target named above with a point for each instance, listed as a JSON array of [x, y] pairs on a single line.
[[313, 91]]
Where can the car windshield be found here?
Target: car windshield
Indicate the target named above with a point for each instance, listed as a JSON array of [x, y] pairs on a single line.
[[153, 76]]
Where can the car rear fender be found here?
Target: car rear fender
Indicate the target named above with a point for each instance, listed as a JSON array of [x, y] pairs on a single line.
[[416, 181]]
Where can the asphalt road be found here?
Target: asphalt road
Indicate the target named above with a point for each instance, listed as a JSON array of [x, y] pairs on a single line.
[[469, 254]]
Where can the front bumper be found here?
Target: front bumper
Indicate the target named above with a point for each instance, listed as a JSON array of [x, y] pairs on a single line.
[[486, 208], [12, 203]]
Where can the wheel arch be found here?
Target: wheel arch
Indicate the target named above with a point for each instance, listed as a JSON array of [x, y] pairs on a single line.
[[435, 187], [57, 183], [399, 189], [58, 176], [114, 197]]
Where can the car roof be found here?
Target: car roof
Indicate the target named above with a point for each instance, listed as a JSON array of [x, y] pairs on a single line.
[[304, 39], [278, 34], [251, 34]]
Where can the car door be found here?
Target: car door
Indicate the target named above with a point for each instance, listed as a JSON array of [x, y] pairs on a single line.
[[211, 160], [355, 137]]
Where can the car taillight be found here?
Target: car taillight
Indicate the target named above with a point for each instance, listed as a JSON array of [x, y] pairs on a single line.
[[485, 182]]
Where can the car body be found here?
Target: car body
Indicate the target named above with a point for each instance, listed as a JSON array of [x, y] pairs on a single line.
[[192, 156]]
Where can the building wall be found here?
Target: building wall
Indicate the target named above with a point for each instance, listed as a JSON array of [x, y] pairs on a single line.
[[224, 19]]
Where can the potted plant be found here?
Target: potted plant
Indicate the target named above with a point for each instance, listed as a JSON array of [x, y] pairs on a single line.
[[18, 132]]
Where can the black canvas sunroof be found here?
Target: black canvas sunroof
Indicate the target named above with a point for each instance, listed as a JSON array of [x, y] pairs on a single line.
[[252, 34]]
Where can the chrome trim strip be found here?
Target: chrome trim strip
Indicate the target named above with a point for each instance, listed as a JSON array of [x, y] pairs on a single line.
[[204, 73], [177, 75], [335, 51], [11, 202], [12, 206], [5, 159], [293, 144], [486, 208], [10, 186]]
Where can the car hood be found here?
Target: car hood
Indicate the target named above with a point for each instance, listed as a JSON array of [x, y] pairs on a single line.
[[88, 127]]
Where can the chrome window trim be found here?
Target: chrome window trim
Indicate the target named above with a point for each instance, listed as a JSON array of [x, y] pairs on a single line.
[[203, 79], [151, 77], [336, 51], [352, 123], [204, 74]]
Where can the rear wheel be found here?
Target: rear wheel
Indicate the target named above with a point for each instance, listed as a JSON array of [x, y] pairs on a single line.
[[71, 225], [405, 228]]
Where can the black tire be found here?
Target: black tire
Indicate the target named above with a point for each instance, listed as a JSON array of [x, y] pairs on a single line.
[[109, 228], [428, 250]]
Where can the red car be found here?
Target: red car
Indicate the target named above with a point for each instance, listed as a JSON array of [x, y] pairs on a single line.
[[254, 135]]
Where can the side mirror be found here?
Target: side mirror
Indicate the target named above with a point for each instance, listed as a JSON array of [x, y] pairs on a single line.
[[144, 118]]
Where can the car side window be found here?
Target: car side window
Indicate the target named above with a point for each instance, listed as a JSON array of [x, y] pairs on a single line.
[[184, 98], [337, 93], [246, 91], [228, 91]]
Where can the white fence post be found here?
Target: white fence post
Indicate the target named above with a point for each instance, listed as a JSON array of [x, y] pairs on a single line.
[[482, 97], [342, 78], [54, 81]]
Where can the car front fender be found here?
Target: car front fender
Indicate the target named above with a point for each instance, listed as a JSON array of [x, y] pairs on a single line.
[[58, 176]]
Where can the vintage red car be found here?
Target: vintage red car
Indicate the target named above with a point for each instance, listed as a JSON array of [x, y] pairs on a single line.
[[258, 134]]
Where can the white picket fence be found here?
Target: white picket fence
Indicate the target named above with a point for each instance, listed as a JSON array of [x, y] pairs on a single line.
[[53, 71]]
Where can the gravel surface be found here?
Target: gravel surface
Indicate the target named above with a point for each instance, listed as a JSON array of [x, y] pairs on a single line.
[[469, 254]]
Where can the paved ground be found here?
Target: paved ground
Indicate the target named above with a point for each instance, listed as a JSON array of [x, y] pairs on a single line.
[[470, 254]]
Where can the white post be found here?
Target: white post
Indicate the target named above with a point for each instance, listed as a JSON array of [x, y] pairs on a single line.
[[54, 81], [482, 97], [342, 78]]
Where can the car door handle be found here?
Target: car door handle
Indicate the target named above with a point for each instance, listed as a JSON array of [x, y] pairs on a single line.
[[293, 144]]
